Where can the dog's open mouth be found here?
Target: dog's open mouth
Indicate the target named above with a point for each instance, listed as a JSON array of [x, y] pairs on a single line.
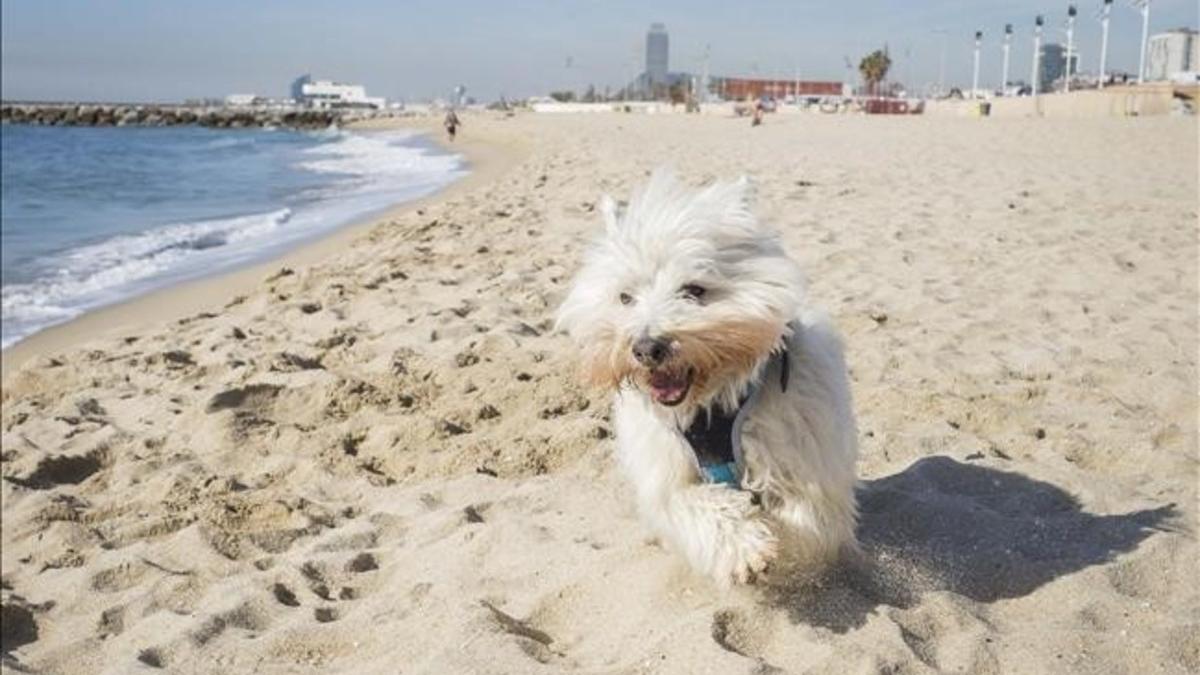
[[670, 387]]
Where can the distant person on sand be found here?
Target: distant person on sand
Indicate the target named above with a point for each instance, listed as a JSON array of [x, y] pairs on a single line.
[[452, 123], [758, 113]]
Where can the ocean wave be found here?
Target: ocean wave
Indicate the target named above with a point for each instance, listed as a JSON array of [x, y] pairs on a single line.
[[361, 174], [229, 142], [382, 156], [95, 274]]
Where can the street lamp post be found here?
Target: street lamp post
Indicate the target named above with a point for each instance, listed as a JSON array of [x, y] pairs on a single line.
[[1104, 12], [1004, 72], [1070, 46], [1037, 48], [1145, 7], [975, 77]]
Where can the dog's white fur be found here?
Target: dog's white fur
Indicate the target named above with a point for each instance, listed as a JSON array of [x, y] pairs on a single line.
[[799, 445]]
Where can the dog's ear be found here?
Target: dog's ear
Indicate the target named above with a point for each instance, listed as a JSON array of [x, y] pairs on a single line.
[[743, 187], [608, 209], [729, 201]]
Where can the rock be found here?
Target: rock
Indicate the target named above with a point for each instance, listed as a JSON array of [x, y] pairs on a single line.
[[60, 114]]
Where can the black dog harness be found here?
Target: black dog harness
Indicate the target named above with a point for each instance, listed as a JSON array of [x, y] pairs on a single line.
[[716, 436]]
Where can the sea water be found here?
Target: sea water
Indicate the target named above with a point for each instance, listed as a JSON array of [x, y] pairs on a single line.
[[93, 216]]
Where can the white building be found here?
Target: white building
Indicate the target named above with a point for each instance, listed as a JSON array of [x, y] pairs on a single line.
[[242, 100], [1173, 55], [330, 94]]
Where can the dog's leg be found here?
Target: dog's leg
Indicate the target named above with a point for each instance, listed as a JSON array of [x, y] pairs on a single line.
[[820, 529], [720, 531]]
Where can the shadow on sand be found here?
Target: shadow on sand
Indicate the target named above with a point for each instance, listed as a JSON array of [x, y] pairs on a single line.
[[979, 532]]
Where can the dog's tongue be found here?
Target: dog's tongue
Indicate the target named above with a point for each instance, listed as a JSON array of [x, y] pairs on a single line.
[[668, 388]]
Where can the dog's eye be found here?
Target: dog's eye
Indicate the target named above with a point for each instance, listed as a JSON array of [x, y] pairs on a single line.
[[693, 291], [625, 298]]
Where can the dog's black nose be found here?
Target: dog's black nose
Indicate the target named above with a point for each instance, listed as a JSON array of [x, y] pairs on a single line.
[[650, 352]]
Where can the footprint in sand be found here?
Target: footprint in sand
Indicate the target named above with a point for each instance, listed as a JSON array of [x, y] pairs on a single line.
[[535, 642], [154, 657], [736, 631], [285, 595], [251, 396], [123, 576], [322, 580], [363, 562], [250, 616], [58, 470], [318, 579], [18, 627]]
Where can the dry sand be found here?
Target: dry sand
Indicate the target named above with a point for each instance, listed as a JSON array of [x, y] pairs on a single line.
[[381, 461]]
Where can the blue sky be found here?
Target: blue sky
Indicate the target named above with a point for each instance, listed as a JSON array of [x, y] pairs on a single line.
[[140, 50]]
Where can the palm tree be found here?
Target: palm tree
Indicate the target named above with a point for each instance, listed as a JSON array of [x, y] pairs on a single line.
[[874, 68]]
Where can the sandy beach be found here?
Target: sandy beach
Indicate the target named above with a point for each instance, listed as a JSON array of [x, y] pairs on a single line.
[[375, 455]]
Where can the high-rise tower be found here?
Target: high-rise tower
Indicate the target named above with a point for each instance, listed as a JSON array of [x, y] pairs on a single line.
[[657, 47]]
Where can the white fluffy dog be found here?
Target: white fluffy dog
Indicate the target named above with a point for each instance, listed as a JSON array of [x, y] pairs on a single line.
[[732, 407]]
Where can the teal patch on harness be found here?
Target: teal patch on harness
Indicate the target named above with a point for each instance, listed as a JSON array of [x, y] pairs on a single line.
[[722, 473]]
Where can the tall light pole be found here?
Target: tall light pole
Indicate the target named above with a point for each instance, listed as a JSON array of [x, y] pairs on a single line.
[[1104, 12], [975, 76], [1070, 46], [1004, 72], [1144, 5], [1037, 49]]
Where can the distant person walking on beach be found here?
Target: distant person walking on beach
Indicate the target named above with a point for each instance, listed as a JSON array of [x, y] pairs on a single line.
[[758, 113], [452, 123]]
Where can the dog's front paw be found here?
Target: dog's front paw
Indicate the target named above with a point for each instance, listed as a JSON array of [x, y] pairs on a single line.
[[749, 544], [753, 546]]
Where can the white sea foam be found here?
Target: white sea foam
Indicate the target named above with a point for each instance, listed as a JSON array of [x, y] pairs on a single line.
[[380, 157], [372, 172], [111, 270]]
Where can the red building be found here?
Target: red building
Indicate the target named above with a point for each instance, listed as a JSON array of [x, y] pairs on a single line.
[[739, 88]]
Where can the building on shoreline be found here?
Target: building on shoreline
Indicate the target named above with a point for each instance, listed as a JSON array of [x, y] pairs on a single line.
[[741, 88], [1173, 55], [323, 94], [244, 100], [1052, 65], [658, 46]]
